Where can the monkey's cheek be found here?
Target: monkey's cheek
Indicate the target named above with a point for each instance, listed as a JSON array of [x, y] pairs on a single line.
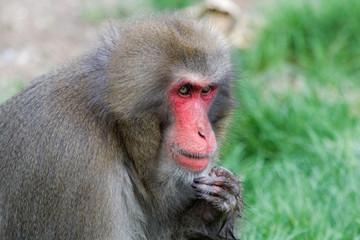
[[193, 164]]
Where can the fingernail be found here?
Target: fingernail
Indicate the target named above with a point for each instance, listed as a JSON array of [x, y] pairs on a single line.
[[196, 180]]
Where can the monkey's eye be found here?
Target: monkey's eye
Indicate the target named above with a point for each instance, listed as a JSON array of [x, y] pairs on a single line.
[[184, 90], [206, 89]]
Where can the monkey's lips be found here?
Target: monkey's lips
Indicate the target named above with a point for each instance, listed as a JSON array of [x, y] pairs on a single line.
[[193, 162]]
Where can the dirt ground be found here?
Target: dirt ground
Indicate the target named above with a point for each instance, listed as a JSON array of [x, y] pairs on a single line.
[[36, 35]]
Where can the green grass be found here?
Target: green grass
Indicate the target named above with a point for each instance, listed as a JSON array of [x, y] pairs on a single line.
[[295, 140], [172, 4], [310, 33]]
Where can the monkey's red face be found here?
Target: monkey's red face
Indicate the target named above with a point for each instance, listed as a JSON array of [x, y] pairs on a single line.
[[192, 139]]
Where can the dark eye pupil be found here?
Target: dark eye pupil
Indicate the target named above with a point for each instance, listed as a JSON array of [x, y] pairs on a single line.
[[205, 89], [184, 90]]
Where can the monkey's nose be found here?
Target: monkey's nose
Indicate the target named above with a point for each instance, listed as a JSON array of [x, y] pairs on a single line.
[[201, 135]]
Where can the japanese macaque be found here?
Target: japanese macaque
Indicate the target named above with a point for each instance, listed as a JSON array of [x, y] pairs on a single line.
[[122, 142]]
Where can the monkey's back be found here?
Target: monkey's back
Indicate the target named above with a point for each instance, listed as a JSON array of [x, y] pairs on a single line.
[[44, 174]]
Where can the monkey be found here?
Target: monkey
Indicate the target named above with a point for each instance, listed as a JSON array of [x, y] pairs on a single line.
[[122, 142]]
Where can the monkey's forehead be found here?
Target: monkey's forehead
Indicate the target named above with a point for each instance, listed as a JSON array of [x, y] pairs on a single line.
[[183, 76], [176, 38]]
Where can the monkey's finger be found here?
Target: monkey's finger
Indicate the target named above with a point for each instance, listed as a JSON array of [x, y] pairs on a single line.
[[207, 189], [218, 181], [231, 186], [211, 190], [206, 180], [212, 173], [220, 171], [217, 196]]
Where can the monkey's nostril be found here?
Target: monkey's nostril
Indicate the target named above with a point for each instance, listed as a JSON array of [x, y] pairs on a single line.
[[201, 135]]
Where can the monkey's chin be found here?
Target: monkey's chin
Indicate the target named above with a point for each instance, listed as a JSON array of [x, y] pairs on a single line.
[[193, 164]]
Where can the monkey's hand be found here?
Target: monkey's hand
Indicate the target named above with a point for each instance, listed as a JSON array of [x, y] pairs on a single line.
[[221, 191]]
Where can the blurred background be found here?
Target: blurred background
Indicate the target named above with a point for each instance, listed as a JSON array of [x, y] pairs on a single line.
[[295, 136]]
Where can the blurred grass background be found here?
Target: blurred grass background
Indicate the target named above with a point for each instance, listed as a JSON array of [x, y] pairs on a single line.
[[295, 140]]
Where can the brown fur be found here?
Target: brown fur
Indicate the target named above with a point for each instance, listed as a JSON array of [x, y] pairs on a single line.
[[81, 149]]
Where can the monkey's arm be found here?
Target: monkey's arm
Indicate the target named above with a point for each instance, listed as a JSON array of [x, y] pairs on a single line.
[[219, 204]]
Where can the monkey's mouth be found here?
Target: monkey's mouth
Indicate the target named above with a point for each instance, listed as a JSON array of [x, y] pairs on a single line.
[[193, 155], [192, 161]]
